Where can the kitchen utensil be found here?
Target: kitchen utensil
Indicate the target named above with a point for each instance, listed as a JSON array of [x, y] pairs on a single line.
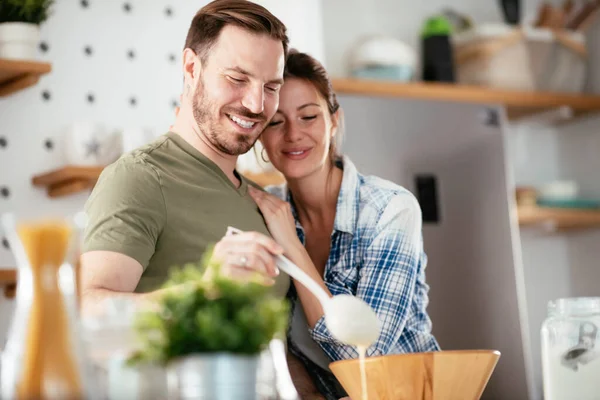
[[441, 375], [511, 11], [551, 17], [568, 6], [543, 15], [283, 379], [583, 18], [349, 319], [589, 18]]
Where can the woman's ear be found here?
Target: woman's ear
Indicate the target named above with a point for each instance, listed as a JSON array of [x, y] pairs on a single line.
[[336, 118]]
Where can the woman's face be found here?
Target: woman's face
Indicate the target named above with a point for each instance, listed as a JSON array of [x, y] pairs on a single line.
[[297, 139]]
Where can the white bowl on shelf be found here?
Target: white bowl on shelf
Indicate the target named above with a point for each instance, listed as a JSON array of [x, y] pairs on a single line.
[[559, 190]]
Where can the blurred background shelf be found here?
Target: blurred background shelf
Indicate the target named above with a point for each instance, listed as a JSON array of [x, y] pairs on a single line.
[[559, 219], [519, 104], [68, 180], [265, 178], [73, 179], [16, 75], [8, 279]]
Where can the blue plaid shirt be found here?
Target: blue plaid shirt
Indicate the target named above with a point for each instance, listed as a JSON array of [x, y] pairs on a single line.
[[377, 255]]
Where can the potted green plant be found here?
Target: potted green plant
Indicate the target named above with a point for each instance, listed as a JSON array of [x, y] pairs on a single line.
[[20, 22], [210, 333]]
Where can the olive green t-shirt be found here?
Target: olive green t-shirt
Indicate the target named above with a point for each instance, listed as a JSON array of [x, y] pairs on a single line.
[[163, 205]]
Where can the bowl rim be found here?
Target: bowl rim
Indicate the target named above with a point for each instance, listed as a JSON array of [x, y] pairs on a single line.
[[417, 354]]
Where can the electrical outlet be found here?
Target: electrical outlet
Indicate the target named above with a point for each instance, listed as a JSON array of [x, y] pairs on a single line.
[[428, 197]]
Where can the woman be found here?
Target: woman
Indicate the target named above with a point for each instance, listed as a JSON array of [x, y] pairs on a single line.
[[353, 234]]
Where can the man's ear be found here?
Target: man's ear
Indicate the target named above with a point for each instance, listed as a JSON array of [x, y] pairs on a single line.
[[192, 67]]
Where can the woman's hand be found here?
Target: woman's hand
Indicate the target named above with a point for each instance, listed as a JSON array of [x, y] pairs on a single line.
[[279, 219], [281, 224]]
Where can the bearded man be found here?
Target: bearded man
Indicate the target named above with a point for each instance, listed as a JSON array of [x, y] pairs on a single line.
[[163, 204]]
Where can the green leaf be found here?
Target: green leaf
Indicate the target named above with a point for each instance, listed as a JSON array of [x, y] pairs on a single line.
[[215, 315], [29, 11]]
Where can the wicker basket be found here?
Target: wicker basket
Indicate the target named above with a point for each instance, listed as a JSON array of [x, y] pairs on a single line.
[[503, 57]]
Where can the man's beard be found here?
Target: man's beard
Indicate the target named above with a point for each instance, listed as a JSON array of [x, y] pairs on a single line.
[[206, 115]]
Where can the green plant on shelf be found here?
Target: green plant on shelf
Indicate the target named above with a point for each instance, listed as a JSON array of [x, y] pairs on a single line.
[[216, 315], [28, 11]]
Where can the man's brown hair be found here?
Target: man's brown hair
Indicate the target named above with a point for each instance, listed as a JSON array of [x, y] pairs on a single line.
[[213, 17]]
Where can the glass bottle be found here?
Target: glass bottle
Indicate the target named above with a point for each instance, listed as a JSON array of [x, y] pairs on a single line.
[[44, 357], [571, 349]]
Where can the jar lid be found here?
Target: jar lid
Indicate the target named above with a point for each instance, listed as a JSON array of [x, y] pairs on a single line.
[[574, 306]]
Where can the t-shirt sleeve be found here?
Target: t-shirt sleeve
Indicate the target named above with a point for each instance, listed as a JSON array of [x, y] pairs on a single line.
[[126, 211]]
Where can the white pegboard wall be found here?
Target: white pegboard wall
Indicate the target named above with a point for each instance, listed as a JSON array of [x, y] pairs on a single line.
[[114, 62]]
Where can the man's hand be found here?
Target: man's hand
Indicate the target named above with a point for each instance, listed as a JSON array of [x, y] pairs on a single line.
[[247, 256]]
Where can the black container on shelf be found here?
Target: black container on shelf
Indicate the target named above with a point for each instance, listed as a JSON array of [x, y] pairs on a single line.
[[437, 53]]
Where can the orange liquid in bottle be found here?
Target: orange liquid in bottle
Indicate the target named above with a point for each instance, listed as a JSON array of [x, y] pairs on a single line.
[[50, 370]]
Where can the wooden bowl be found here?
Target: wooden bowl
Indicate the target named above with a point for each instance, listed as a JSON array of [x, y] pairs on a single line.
[[442, 375]]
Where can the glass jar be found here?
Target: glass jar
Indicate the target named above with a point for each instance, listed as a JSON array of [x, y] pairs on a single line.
[[110, 340], [44, 357], [571, 349]]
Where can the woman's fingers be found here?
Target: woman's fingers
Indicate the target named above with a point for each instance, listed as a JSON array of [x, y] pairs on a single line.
[[267, 202]]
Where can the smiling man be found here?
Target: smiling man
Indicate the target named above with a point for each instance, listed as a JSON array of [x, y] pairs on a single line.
[[165, 203]]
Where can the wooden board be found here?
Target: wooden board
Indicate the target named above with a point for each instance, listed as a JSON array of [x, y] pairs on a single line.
[[16, 75], [467, 94], [8, 276], [265, 178], [68, 180], [559, 218], [67, 173], [8, 279]]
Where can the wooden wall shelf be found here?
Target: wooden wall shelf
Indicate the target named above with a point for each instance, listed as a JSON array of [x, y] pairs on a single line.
[[16, 75], [8, 279], [73, 179], [559, 219], [68, 180], [518, 103], [265, 178]]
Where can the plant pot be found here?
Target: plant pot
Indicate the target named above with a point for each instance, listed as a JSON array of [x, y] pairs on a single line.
[[19, 40], [213, 376]]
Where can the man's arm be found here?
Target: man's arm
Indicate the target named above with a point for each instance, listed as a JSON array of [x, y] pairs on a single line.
[[106, 274], [126, 215]]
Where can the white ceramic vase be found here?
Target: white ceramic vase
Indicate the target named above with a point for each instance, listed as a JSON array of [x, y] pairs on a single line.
[[87, 143], [19, 40]]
